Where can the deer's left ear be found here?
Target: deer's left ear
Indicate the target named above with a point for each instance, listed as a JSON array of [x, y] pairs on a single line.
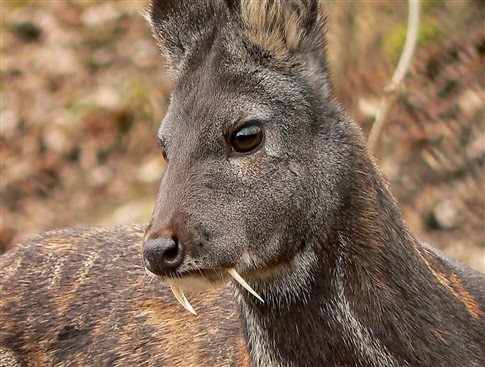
[[282, 27], [180, 25]]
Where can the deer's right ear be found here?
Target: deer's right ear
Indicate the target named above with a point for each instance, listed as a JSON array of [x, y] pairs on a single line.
[[178, 26], [282, 27]]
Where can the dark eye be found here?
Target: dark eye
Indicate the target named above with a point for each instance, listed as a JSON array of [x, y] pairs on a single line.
[[162, 148], [164, 155], [246, 139]]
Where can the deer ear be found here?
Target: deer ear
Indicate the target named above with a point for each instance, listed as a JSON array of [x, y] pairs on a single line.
[[178, 25], [281, 27]]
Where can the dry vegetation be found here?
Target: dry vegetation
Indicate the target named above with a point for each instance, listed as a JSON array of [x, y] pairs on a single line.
[[83, 91]]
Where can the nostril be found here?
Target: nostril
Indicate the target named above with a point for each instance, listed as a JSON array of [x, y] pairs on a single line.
[[163, 255], [172, 249]]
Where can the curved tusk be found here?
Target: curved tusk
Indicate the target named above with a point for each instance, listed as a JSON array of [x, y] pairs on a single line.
[[179, 294], [233, 273]]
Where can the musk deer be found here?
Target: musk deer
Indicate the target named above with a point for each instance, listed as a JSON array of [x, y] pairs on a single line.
[[269, 183]]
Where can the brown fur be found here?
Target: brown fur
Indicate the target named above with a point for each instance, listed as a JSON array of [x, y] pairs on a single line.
[[454, 285], [109, 313]]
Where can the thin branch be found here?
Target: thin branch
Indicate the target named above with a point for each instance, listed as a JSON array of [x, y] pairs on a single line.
[[392, 90]]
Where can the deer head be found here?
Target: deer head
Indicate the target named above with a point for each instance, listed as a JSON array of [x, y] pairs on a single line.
[[258, 151]]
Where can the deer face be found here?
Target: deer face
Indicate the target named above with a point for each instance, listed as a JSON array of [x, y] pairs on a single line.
[[251, 173]]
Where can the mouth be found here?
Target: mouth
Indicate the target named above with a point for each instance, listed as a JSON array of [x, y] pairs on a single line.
[[178, 281]]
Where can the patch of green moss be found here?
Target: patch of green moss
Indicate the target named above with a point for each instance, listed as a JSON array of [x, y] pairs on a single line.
[[393, 41], [429, 32], [428, 5], [13, 4], [138, 92]]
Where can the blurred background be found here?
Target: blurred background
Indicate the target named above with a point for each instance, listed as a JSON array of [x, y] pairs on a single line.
[[83, 90]]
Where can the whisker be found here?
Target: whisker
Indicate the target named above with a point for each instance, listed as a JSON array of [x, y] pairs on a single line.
[[197, 267]]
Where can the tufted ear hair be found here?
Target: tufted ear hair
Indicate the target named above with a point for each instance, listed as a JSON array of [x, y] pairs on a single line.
[[180, 26], [282, 27]]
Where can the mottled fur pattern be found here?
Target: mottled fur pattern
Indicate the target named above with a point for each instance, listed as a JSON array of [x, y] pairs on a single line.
[[307, 220]]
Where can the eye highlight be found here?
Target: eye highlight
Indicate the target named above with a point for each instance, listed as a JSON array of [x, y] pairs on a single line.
[[246, 139]]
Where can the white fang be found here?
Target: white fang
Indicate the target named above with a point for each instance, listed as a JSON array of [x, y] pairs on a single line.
[[233, 273], [179, 294]]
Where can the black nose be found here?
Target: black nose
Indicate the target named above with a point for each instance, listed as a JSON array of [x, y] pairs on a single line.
[[163, 255]]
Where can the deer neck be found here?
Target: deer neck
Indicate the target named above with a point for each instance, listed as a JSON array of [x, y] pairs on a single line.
[[313, 308]]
